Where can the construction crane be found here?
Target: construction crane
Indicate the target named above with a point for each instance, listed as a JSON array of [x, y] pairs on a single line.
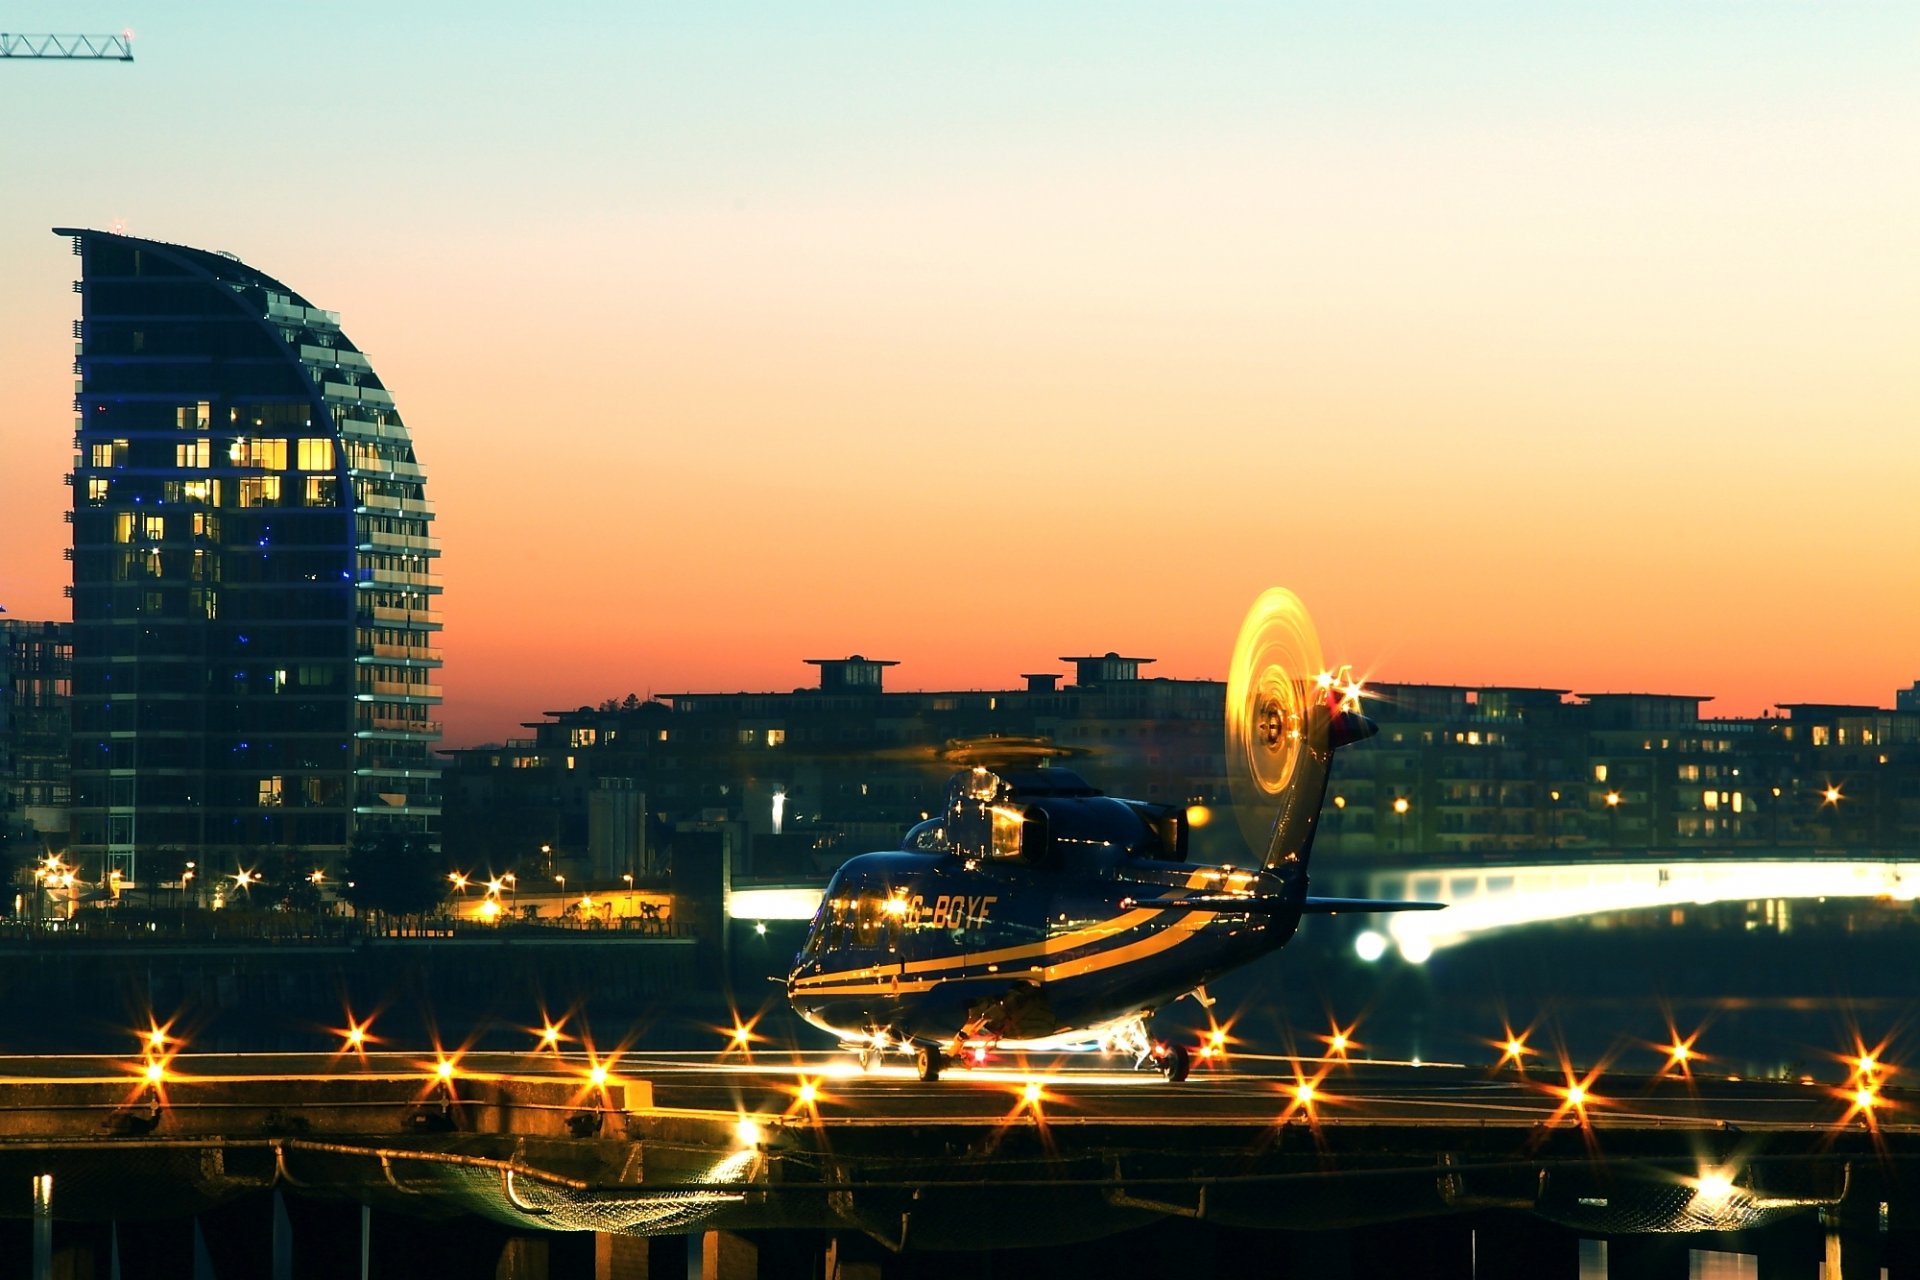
[[94, 48]]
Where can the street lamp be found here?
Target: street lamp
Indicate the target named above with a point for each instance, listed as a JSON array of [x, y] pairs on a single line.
[[1613, 819], [1400, 807], [628, 877]]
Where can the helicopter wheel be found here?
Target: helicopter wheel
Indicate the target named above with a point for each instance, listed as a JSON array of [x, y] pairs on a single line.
[[927, 1061], [1175, 1063], [867, 1055]]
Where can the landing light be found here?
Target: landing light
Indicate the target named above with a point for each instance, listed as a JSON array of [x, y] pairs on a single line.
[[1369, 946], [550, 1036], [1338, 1042], [1866, 1098], [760, 927], [598, 1075], [156, 1072], [156, 1039], [809, 1092], [748, 1133], [1576, 1095], [1303, 1093], [1031, 1092], [444, 1069], [1714, 1185], [356, 1036]]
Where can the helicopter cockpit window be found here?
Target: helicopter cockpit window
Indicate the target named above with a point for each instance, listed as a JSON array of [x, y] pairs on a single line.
[[867, 920], [841, 913], [1019, 833]]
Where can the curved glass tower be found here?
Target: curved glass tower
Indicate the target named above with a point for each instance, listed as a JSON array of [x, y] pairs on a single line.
[[254, 595]]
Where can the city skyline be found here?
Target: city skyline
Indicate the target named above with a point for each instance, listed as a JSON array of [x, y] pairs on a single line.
[[1540, 349]]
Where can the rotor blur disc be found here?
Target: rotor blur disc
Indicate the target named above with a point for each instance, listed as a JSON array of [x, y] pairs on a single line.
[[1271, 689]]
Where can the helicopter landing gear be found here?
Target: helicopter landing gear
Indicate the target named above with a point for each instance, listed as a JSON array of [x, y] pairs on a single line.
[[869, 1054], [927, 1062], [1129, 1035]]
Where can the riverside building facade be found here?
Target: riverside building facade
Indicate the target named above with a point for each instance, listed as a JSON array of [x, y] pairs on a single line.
[[797, 781], [254, 587]]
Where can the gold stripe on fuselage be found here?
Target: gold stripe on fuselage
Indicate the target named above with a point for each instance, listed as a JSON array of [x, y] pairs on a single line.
[[873, 981]]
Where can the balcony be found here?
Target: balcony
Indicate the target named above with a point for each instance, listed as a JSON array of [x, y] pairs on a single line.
[[388, 724], [401, 653], [399, 689], [380, 540], [415, 617]]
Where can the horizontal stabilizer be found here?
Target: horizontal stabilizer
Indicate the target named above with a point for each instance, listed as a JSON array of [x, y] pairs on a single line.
[[1333, 906]]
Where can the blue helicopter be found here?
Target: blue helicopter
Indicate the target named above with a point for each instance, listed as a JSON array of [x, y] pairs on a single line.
[[1036, 912]]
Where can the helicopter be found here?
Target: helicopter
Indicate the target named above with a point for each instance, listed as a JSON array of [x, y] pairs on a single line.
[[1035, 911]]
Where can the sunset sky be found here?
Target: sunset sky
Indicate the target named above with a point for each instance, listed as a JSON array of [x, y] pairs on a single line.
[[1569, 345]]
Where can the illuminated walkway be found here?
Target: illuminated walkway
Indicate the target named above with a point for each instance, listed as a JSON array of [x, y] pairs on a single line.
[[1481, 899]]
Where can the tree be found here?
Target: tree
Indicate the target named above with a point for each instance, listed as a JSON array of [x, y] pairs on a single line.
[[289, 884], [395, 873]]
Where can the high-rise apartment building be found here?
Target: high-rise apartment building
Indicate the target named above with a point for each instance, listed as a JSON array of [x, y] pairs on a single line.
[[254, 588], [36, 671]]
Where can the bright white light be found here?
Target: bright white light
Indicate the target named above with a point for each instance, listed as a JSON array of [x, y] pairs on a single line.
[[1369, 946], [1714, 1187], [748, 1133], [1481, 900], [1416, 949], [773, 904], [779, 808]]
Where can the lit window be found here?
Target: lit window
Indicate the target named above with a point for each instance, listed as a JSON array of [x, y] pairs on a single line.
[[270, 792], [1710, 798], [96, 490], [154, 527], [260, 491], [252, 451], [776, 737], [581, 737], [1599, 773], [316, 455], [195, 455]]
